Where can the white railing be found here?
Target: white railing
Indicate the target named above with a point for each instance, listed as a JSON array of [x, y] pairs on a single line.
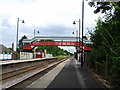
[[49, 55], [26, 55]]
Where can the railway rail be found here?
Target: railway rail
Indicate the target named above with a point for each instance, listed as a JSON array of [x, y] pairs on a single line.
[[17, 76]]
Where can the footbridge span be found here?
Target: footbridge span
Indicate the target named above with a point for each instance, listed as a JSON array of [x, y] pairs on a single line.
[[54, 41]]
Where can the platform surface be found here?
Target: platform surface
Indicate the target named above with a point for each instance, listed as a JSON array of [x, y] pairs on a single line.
[[73, 76], [68, 74], [5, 62]]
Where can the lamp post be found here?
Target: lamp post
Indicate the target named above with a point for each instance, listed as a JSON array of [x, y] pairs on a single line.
[[82, 32], [35, 32], [76, 32], [17, 33], [79, 32]]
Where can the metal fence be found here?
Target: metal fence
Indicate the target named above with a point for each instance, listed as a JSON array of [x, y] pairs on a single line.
[[26, 55], [5, 56]]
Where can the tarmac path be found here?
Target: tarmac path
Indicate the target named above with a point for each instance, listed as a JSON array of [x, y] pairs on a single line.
[[74, 76]]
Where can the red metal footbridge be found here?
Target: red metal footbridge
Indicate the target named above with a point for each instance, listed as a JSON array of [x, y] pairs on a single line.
[[51, 41]]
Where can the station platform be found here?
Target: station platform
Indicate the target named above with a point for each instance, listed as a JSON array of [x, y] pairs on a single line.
[[68, 74], [5, 62]]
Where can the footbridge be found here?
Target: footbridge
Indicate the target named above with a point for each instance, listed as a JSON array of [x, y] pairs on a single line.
[[54, 41]]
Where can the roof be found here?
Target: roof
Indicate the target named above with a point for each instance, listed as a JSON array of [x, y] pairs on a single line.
[[52, 38], [4, 49]]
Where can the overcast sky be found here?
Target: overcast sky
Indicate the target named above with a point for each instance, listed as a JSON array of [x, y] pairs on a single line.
[[49, 17]]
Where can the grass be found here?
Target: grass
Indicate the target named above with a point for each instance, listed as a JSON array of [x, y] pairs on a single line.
[[61, 57]]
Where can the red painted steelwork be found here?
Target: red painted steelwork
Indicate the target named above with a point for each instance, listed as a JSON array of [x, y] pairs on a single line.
[[54, 43]]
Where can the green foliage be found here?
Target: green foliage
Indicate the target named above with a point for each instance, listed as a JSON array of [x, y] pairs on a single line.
[[115, 70], [4, 52], [21, 43], [105, 54], [54, 50], [10, 50], [61, 57]]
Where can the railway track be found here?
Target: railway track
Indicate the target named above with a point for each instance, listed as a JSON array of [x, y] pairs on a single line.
[[20, 78]]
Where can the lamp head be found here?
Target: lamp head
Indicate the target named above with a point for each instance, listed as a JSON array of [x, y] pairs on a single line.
[[74, 22], [23, 21]]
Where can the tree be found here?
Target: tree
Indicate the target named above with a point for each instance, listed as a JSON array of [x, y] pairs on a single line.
[[54, 50], [111, 9], [21, 43], [106, 41]]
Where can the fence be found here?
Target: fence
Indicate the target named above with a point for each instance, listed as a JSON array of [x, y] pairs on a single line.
[[23, 55], [26, 55], [48, 55], [5, 56]]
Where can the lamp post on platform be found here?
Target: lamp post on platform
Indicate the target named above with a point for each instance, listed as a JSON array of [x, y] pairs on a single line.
[[35, 32], [18, 32], [76, 32], [17, 36], [82, 33], [79, 32]]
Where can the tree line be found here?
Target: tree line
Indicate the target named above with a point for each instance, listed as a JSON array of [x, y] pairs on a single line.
[[104, 58], [55, 50]]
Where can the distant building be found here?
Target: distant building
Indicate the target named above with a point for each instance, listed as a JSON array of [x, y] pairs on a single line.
[[4, 49]]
